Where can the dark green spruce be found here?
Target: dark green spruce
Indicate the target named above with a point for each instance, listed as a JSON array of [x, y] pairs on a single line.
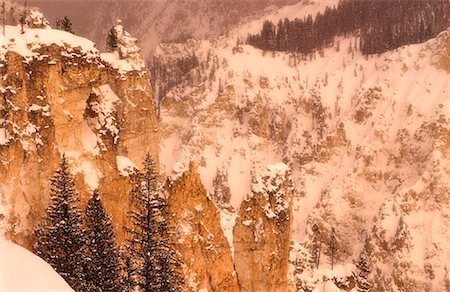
[[102, 262], [59, 238], [154, 261]]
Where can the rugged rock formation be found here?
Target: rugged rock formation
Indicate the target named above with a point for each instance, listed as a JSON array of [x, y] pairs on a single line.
[[204, 249], [60, 95], [263, 230]]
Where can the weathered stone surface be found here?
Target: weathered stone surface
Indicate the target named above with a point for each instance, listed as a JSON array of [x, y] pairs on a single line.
[[262, 233], [204, 249], [51, 97]]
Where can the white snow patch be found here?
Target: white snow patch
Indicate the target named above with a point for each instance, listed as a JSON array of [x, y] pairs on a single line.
[[227, 222], [125, 165], [20, 270], [32, 39], [91, 174], [89, 140], [5, 137]]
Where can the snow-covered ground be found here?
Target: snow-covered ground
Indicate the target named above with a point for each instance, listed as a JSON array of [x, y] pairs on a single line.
[[22, 271]]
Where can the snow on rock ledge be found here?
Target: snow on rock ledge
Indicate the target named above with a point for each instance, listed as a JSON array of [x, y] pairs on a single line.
[[125, 165], [28, 44], [128, 56], [275, 184]]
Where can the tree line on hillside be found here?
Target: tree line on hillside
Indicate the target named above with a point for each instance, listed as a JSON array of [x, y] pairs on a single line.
[[381, 25], [83, 251]]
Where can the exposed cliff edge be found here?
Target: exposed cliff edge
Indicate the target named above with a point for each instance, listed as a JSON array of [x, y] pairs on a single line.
[[204, 249], [61, 95], [263, 230]]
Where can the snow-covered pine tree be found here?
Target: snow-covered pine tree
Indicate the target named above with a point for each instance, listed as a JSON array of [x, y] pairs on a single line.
[[127, 281], [64, 24], [154, 261], [102, 263], [315, 246], [332, 247], [168, 275], [361, 276], [111, 40], [59, 238]]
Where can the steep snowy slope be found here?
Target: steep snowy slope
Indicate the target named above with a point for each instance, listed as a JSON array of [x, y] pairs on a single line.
[[20, 270], [365, 136]]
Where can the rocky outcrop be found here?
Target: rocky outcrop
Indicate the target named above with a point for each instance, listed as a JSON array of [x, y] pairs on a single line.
[[440, 49], [204, 250], [262, 232], [60, 96]]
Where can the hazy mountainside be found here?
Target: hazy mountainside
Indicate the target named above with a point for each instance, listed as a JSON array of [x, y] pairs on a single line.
[[155, 21], [366, 138], [285, 172]]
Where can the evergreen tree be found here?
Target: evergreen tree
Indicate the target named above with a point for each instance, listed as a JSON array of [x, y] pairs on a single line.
[[102, 264], [127, 281], [111, 40], [155, 264], [332, 247], [361, 277], [315, 246], [60, 236], [168, 276], [23, 20], [64, 24]]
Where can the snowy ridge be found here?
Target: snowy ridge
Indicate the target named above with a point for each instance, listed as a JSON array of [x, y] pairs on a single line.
[[28, 44]]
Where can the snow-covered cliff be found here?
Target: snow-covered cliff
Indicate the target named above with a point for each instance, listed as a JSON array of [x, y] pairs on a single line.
[[366, 138], [59, 94]]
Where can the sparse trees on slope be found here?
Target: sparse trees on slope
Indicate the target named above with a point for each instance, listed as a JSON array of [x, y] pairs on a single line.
[[102, 264], [154, 261], [60, 236]]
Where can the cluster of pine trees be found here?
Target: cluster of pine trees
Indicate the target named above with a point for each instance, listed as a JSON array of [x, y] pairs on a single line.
[[83, 251], [381, 25]]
